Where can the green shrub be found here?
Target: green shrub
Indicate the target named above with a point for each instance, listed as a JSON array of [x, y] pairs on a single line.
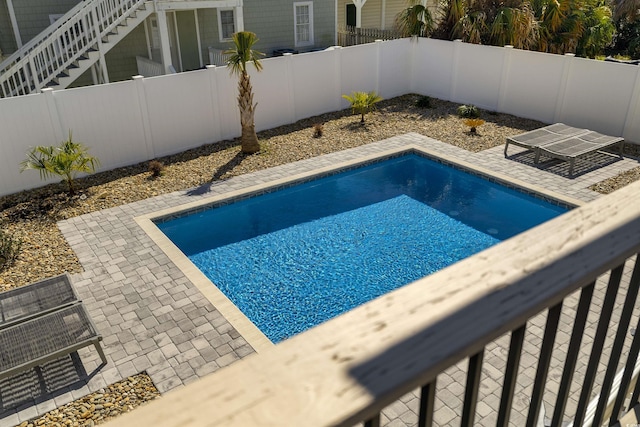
[[468, 112], [66, 161], [423, 102], [9, 249]]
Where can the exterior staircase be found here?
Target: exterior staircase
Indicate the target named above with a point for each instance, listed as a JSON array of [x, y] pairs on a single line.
[[71, 46]]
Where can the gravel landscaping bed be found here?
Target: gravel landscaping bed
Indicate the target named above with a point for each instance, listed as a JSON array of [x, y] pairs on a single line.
[[32, 215], [101, 406]]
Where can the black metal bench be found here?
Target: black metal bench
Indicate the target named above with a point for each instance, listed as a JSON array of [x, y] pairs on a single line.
[[41, 322]]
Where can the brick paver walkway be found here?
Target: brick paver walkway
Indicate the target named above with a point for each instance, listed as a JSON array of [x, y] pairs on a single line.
[[154, 319]]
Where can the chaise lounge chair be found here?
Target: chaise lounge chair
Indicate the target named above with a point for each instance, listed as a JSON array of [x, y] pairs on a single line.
[[563, 142], [42, 322], [578, 146], [537, 138]]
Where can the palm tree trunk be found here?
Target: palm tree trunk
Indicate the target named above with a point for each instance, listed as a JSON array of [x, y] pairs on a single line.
[[249, 139]]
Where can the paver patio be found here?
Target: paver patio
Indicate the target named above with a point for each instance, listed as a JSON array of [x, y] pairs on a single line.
[[154, 319]]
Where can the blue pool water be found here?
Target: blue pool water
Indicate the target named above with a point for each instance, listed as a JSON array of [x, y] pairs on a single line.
[[294, 258]]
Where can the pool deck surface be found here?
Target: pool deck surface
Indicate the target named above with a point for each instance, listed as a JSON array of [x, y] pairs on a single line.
[[155, 319]]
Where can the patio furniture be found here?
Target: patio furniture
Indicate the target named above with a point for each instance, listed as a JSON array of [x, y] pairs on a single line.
[[41, 322], [537, 138], [571, 148], [31, 343], [36, 299]]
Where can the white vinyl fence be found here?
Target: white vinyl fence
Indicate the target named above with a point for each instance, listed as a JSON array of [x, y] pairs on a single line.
[[129, 122]]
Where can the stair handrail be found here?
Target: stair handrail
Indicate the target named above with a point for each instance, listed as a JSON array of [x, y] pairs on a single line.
[[43, 35], [58, 46]]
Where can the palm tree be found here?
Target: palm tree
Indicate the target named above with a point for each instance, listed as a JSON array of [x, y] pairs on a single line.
[[66, 161], [241, 54], [416, 20]]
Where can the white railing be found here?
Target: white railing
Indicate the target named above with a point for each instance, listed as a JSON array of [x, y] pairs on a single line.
[[41, 60], [148, 68], [581, 266], [217, 57]]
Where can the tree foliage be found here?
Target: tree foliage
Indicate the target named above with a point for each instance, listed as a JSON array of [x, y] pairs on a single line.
[[584, 27]]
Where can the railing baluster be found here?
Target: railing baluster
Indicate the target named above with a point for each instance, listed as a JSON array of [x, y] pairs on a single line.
[[550, 331], [471, 390], [572, 353], [598, 343], [510, 376], [626, 377], [618, 343], [427, 404]]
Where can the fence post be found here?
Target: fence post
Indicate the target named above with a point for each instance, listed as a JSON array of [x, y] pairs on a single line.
[[378, 64], [631, 120], [288, 58], [215, 106], [138, 81], [412, 62], [454, 70], [338, 76], [566, 74], [504, 77], [54, 116]]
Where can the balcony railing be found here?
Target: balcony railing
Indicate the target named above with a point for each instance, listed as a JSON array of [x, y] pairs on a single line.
[[545, 316]]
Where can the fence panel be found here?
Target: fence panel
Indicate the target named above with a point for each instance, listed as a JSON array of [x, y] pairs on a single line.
[[106, 119], [24, 123], [598, 94], [358, 69], [273, 93], [395, 68], [181, 115], [224, 96], [432, 67], [316, 84], [529, 92], [474, 83]]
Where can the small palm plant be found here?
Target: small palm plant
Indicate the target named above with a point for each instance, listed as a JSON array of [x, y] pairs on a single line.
[[241, 54], [473, 124], [66, 161], [363, 102]]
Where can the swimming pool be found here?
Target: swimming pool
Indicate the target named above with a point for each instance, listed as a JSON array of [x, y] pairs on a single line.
[[296, 257]]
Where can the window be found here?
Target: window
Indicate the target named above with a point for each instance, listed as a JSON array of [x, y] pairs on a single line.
[[303, 23], [351, 15], [226, 23]]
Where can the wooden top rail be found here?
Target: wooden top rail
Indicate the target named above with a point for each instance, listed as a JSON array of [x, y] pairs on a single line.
[[348, 369]]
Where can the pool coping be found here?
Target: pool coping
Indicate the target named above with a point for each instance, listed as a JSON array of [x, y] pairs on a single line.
[[227, 308]]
